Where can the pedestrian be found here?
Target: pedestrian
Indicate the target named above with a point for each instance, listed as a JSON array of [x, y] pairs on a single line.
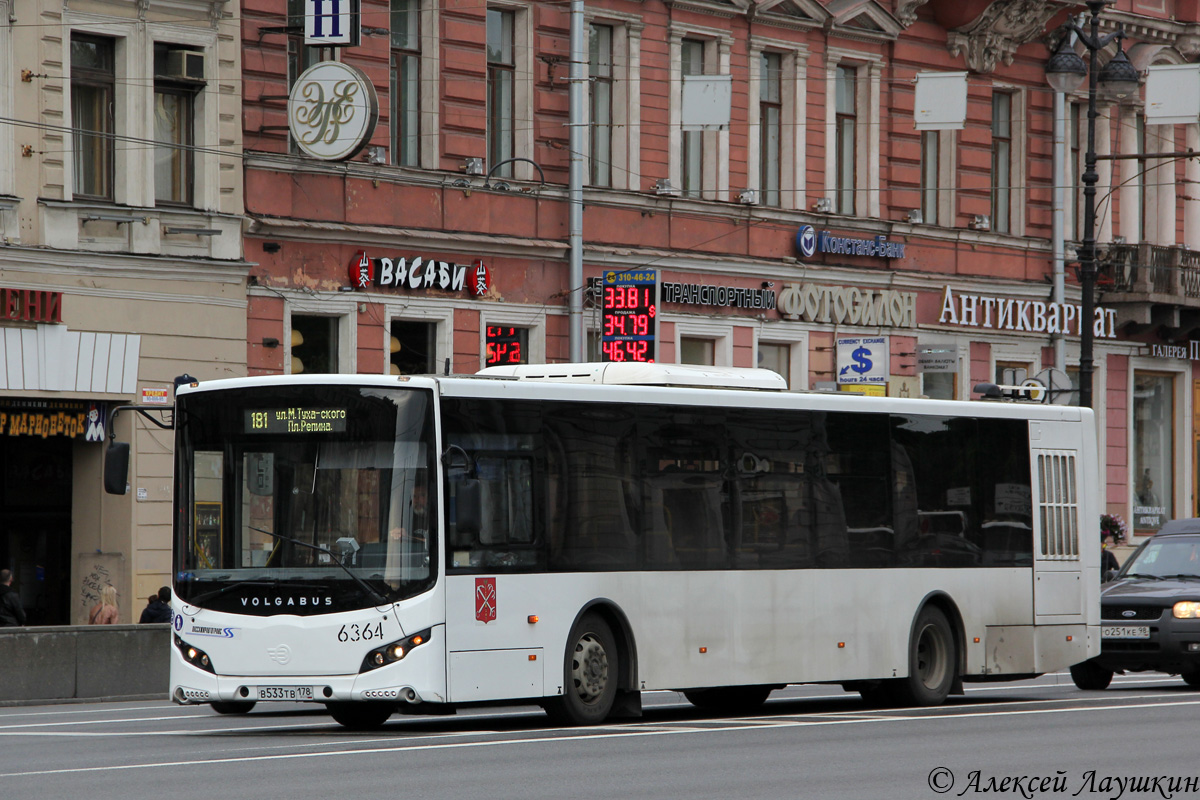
[[1108, 561], [159, 609], [105, 612], [11, 612]]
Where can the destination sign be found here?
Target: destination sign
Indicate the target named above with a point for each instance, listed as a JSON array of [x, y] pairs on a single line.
[[296, 419]]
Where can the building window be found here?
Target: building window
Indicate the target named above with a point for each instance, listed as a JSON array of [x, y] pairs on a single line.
[[931, 147], [1143, 176], [406, 82], [174, 125], [92, 115], [507, 345], [600, 104], [770, 121], [411, 349], [1011, 373], [501, 74], [1153, 472], [1001, 161], [777, 358], [693, 350], [314, 344], [691, 52], [846, 124]]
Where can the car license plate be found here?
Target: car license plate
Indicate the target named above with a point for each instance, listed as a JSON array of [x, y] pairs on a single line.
[[1125, 632], [285, 693]]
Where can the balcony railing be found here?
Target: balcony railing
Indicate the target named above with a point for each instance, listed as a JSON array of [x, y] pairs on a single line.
[[1150, 272]]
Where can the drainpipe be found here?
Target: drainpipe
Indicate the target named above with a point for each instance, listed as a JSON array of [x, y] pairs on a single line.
[[1061, 178], [575, 123]]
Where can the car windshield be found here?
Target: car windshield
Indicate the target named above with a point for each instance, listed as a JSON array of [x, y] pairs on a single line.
[[304, 499], [1167, 557]]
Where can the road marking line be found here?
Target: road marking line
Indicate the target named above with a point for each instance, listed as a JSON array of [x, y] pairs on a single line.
[[581, 736]]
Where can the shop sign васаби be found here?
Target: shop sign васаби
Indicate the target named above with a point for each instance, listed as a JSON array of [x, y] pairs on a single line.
[[419, 272]]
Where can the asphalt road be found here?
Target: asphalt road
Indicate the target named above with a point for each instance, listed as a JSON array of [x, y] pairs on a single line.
[[807, 742]]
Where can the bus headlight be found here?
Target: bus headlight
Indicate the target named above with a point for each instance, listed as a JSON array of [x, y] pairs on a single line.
[[194, 655], [391, 653], [1186, 609]]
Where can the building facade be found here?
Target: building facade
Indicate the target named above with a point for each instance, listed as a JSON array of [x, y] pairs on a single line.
[[813, 229], [120, 268]]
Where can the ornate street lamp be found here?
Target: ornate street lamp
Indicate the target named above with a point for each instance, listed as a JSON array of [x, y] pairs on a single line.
[[1065, 72]]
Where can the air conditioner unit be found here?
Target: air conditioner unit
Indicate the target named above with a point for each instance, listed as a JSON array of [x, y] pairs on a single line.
[[185, 64]]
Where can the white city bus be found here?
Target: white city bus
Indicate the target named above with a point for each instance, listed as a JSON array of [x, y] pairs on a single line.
[[573, 535]]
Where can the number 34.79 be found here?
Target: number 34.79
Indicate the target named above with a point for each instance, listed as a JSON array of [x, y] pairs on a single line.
[[360, 633]]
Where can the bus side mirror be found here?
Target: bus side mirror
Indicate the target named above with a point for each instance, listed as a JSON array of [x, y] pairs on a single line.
[[468, 511], [116, 468]]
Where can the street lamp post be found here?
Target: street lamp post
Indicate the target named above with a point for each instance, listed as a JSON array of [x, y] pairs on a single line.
[[1065, 71]]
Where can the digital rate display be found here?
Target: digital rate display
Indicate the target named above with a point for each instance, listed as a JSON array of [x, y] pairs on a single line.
[[506, 345], [296, 419], [628, 303]]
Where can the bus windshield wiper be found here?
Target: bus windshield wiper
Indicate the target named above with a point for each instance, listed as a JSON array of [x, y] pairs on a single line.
[[1145, 575], [204, 598], [379, 599], [1181, 576]]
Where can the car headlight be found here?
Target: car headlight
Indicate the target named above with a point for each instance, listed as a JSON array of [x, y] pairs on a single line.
[[1186, 609], [391, 653]]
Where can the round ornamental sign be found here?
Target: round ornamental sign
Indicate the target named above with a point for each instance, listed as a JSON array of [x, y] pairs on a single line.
[[332, 111]]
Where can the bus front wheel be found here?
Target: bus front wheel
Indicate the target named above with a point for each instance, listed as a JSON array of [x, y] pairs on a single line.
[[232, 706], [931, 661], [1090, 676], [360, 716], [590, 674]]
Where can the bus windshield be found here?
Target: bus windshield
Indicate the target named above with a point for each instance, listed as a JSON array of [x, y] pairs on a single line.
[[305, 499]]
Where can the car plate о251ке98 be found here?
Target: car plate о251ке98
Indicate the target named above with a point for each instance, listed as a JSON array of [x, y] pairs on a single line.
[[285, 693], [1125, 632]]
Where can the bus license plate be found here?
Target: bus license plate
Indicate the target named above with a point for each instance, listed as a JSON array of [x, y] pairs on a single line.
[[1125, 632], [285, 693]]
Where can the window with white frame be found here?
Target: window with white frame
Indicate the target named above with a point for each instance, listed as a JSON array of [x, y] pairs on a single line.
[[501, 89], [697, 350], [1001, 180], [406, 82], [776, 167], [93, 119], [777, 358], [698, 159], [600, 104], [846, 138], [613, 143], [1008, 169], [852, 175], [178, 78], [930, 175], [770, 125], [691, 58], [314, 344]]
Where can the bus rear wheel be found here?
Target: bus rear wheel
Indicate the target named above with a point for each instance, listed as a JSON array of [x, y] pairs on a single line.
[[729, 698], [360, 716], [590, 674], [232, 707], [931, 661]]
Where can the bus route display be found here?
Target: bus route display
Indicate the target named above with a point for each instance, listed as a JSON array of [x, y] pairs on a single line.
[[628, 320], [296, 420]]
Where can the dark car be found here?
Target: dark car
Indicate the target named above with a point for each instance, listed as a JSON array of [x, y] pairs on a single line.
[[1150, 611]]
